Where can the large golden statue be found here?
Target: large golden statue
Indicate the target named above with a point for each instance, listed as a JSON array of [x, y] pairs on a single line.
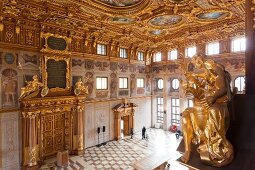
[[206, 123], [32, 88]]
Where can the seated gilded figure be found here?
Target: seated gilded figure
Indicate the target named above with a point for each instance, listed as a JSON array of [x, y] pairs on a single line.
[[207, 122], [79, 88], [31, 87]]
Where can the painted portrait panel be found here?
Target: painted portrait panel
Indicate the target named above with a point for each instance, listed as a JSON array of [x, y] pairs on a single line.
[[9, 88]]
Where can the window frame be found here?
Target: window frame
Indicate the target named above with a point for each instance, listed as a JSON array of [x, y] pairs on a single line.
[[172, 84], [139, 82], [170, 54], [160, 110], [102, 78], [101, 49], [240, 84], [160, 83], [156, 58], [187, 51], [241, 39], [123, 53], [140, 56], [175, 112], [216, 50], [123, 83]]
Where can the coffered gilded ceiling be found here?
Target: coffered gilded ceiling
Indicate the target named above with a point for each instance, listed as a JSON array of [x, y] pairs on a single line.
[[154, 24]]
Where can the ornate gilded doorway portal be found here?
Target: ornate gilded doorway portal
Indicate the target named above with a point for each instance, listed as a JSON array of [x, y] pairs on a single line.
[[123, 111]]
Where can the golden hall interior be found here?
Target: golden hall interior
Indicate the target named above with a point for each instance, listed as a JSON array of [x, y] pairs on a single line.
[[75, 74]]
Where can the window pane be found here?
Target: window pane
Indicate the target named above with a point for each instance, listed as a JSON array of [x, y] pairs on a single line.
[[172, 55], [190, 51], [175, 84], [238, 44], [158, 57], [160, 84]]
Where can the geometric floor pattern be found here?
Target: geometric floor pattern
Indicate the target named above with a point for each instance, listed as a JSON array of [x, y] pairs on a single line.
[[121, 154]]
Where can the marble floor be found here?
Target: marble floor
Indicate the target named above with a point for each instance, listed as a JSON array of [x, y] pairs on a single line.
[[121, 154]]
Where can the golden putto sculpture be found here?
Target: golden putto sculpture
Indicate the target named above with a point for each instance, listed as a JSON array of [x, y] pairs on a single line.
[[79, 88], [32, 88], [207, 122]]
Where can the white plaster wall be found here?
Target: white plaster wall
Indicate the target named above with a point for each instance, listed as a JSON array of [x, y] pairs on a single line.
[[142, 113], [89, 130], [9, 128], [99, 114]]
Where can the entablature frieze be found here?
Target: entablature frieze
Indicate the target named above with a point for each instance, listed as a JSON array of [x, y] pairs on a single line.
[[53, 104]]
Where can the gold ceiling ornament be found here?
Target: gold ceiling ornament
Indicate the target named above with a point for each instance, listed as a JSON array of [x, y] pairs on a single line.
[[207, 122], [1, 24]]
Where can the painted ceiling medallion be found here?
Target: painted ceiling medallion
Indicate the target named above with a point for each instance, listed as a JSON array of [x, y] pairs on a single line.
[[120, 3], [215, 15], [121, 20], [166, 20]]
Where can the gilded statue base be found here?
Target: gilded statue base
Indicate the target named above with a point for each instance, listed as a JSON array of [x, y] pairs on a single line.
[[36, 167], [195, 161]]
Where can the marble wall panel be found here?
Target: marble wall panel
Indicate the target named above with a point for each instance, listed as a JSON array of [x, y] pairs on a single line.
[[10, 152], [89, 125]]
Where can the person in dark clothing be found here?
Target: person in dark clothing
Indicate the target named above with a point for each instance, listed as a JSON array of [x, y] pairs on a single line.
[[131, 133], [143, 132]]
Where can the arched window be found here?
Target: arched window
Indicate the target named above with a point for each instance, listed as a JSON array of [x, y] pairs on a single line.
[[239, 83], [160, 84], [175, 84]]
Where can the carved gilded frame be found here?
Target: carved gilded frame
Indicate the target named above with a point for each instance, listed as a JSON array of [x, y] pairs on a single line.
[[49, 50], [67, 59]]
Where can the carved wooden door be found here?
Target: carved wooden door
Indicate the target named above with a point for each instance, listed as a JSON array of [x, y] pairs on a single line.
[[126, 125], [53, 133]]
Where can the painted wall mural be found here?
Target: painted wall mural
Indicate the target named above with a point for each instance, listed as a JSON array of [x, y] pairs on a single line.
[[113, 85], [9, 88], [120, 3], [89, 82], [166, 20]]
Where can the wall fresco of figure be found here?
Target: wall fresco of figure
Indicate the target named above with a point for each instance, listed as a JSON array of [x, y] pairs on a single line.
[[9, 88], [89, 82], [113, 85]]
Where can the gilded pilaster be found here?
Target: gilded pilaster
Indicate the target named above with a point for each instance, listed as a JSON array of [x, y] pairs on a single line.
[[30, 144], [78, 126]]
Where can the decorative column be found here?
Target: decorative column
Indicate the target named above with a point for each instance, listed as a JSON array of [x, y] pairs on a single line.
[[30, 147], [78, 127], [132, 119], [117, 121]]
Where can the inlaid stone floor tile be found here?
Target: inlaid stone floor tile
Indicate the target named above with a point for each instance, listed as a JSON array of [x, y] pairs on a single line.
[[121, 154]]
